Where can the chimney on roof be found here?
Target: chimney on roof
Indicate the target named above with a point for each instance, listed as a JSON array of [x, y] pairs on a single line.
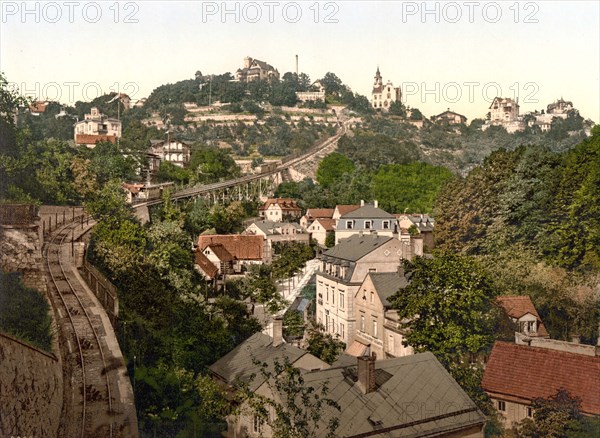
[[366, 373], [362, 202], [277, 331], [375, 203], [575, 339]]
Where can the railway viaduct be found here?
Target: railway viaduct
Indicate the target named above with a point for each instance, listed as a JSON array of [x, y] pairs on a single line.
[[260, 185]]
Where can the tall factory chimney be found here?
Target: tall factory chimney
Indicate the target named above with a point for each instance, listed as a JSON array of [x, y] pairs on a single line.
[[296, 65]]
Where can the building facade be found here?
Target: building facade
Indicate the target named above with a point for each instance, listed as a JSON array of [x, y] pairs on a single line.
[[254, 70], [368, 218], [342, 270], [96, 127], [280, 210], [383, 95], [173, 151], [378, 327]]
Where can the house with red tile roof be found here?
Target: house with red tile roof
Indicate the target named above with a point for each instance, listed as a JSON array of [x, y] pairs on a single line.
[[522, 312], [319, 228], [315, 213], [343, 209], [515, 375], [231, 252], [280, 210], [205, 266]]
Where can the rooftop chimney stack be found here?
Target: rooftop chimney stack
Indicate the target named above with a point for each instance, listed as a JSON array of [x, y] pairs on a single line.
[[362, 202], [366, 373], [277, 331], [375, 203]]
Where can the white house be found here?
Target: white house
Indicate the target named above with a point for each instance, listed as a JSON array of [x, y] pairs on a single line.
[[382, 95], [96, 127]]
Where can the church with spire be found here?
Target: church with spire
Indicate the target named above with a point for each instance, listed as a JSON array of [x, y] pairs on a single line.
[[382, 95]]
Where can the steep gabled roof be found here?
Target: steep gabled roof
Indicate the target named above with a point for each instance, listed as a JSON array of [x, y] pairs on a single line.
[[286, 204], [238, 366], [415, 396], [519, 305], [526, 373], [356, 247], [345, 208], [209, 269], [387, 284], [327, 224], [242, 247], [221, 252], [314, 213]]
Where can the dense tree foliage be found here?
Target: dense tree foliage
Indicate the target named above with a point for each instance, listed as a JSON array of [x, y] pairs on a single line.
[[408, 188], [170, 334], [557, 416], [323, 345], [452, 297], [531, 216], [332, 167], [373, 150]]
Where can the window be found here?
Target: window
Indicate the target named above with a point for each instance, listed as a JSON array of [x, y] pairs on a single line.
[[386, 225], [362, 323], [372, 269], [341, 300], [374, 328], [257, 424], [349, 225], [501, 406], [368, 225], [327, 293], [372, 297], [342, 333], [327, 323], [529, 412]]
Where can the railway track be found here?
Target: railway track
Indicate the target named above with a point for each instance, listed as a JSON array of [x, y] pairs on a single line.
[[90, 410], [286, 163]]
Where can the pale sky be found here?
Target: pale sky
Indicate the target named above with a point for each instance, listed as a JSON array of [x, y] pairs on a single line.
[[456, 55]]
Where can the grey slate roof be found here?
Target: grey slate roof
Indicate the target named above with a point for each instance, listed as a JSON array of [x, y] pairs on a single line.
[[368, 211], [269, 227], [387, 284], [416, 397], [356, 247], [238, 364]]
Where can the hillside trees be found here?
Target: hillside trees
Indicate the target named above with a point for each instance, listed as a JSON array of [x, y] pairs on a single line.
[[332, 167], [408, 188], [531, 216]]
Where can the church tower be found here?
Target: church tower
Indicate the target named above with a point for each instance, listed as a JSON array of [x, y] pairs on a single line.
[[378, 79]]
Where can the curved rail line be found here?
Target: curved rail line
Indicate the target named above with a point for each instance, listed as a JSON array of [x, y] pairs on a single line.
[[286, 163], [85, 337]]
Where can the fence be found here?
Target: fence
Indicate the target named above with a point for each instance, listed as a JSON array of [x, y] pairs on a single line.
[[104, 290]]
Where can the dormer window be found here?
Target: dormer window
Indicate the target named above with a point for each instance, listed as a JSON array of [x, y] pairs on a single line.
[[386, 225], [368, 225], [349, 225]]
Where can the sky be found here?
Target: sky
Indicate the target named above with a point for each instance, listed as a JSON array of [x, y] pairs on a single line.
[[456, 55]]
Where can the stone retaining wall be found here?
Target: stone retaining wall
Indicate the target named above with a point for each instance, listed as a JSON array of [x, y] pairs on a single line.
[[31, 390]]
